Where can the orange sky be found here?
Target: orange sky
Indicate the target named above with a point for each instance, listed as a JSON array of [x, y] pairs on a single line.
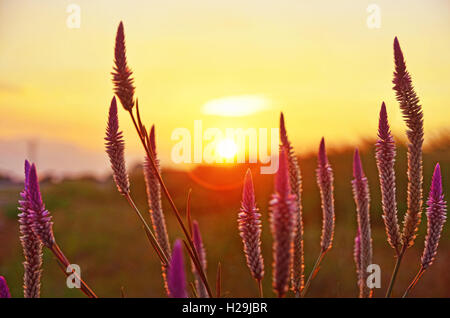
[[317, 61]]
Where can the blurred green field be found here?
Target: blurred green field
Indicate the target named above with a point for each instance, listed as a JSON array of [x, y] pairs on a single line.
[[97, 230]]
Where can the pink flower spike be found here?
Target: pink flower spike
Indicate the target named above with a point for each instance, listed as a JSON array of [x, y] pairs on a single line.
[[283, 220], [358, 172], [249, 224], [42, 220], [436, 215], [325, 178], [362, 201], [385, 157], [115, 148], [4, 290], [176, 276], [31, 245]]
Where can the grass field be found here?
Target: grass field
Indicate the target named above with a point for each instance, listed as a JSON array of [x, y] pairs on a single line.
[[98, 231]]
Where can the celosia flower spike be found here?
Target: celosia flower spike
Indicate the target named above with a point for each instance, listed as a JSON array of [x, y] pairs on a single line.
[[249, 223], [176, 276], [325, 183], [283, 221], [385, 157], [4, 290], [362, 201], [295, 180], [436, 215], [31, 245], [123, 82], [153, 188], [42, 221], [412, 113], [115, 148]]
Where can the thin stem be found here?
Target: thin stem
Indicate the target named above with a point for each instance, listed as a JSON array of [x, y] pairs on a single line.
[[414, 282], [194, 291], [198, 267], [313, 273], [64, 262], [219, 280], [163, 257], [150, 155], [259, 281], [395, 272]]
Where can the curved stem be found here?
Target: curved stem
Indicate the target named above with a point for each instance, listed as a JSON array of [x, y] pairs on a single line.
[[163, 257], [313, 273], [414, 282], [66, 265], [194, 255], [395, 272]]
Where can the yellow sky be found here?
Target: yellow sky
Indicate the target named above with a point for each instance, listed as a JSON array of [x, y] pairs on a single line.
[[317, 61]]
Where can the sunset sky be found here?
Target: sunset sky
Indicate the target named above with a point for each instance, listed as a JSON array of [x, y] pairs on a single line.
[[317, 61]]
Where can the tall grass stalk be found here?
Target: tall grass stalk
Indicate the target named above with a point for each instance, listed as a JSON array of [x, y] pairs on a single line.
[[295, 181], [120, 59], [413, 116]]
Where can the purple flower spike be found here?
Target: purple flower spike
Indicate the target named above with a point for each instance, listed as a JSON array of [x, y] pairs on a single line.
[[249, 224], [385, 157], [325, 178], [115, 148], [4, 290], [358, 172], [176, 276], [295, 181], [362, 200], [413, 116], [283, 221], [123, 82], [42, 220], [436, 215], [31, 245]]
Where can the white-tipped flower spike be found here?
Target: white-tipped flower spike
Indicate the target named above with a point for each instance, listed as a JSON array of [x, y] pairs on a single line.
[[362, 201], [325, 183], [283, 221], [249, 221]]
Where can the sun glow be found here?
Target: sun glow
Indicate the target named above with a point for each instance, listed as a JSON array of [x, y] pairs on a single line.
[[226, 148], [236, 106]]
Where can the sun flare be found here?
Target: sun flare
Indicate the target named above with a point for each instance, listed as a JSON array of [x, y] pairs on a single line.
[[226, 148]]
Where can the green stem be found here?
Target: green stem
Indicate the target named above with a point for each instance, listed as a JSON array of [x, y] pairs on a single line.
[[313, 273], [163, 257], [395, 272], [150, 155]]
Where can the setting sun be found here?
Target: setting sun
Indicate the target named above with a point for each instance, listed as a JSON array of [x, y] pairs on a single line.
[[226, 148]]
